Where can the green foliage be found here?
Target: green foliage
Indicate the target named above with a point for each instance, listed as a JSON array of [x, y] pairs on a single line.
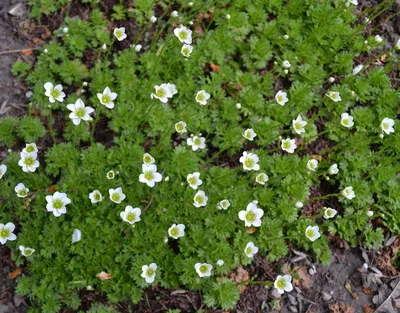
[[239, 62]]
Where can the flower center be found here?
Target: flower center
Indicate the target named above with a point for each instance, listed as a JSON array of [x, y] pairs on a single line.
[[149, 272], [197, 142], [148, 175], [310, 233], [183, 35], [30, 149], [192, 180], [248, 250], [115, 197], [131, 216], [385, 125], [147, 159], [118, 33], [261, 178], [174, 232], [160, 93], [199, 199], [249, 162], [28, 251], [224, 203], [329, 212], [200, 97], [5, 233], [57, 204], [281, 283], [106, 99], [250, 216], [297, 126], [55, 93], [185, 51], [286, 145], [29, 161], [203, 269], [22, 192], [80, 112], [97, 197], [333, 95], [179, 127], [346, 122], [280, 98]]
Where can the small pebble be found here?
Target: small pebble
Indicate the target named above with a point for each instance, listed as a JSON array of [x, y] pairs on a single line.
[[28, 94]]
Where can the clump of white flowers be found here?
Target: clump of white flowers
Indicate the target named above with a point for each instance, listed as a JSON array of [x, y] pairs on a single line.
[[281, 97], [249, 161], [54, 92], [196, 142], [252, 215], [312, 233], [28, 161], [164, 92]]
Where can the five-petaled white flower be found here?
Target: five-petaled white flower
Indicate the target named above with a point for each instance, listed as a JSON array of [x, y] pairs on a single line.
[[333, 170], [176, 231], [54, 92], [288, 145], [202, 96], [30, 147], [148, 159], [196, 142], [249, 161], [200, 199], [174, 14], [378, 39], [358, 69], [286, 64], [3, 170], [150, 176], [6, 233], [149, 272], [184, 34], [223, 204], [387, 125], [281, 97], [153, 19], [262, 178], [203, 269], [79, 112], [28, 162], [283, 283], [298, 125], [346, 120], [250, 250], [186, 50], [76, 236], [249, 134], [116, 195], [252, 215], [164, 92], [21, 190], [194, 180], [95, 196], [312, 164], [119, 33], [131, 215], [57, 203], [180, 127], [107, 97], [329, 213], [348, 193], [335, 96], [110, 175], [26, 251], [312, 233]]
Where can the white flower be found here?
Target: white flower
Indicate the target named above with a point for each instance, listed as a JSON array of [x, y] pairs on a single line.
[[54, 93], [333, 170], [238, 106], [331, 79], [176, 231], [378, 39], [149, 272], [346, 120], [131, 215], [119, 33], [298, 125], [397, 46], [281, 97], [138, 48], [76, 236], [26, 251], [110, 175], [387, 125], [107, 97], [116, 195], [348, 193], [148, 159], [203, 269], [249, 161], [30, 147], [283, 283], [252, 215], [6, 233], [184, 34], [57, 202], [370, 213], [3, 170], [202, 96], [153, 19], [180, 127], [335, 96], [288, 145], [220, 262], [329, 213], [79, 112], [21, 190], [223, 204], [312, 164], [358, 69], [228, 16], [104, 46], [65, 30], [174, 13], [262, 178], [186, 50], [250, 250], [249, 134], [28, 162], [312, 233], [45, 50], [299, 204], [286, 64], [95, 196], [150, 175], [190, 4], [194, 180], [354, 2], [172, 89], [164, 92], [196, 142], [285, 71], [200, 199]]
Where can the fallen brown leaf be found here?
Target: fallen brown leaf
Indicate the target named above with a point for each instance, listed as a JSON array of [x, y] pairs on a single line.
[[15, 273], [37, 41], [215, 67], [251, 230], [305, 278], [27, 52], [348, 288], [240, 276], [368, 309], [103, 275], [368, 291], [46, 33], [340, 308], [52, 188]]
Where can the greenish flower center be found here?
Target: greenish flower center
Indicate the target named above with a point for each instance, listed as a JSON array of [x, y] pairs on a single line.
[[149, 272], [22, 192], [297, 126], [281, 283], [224, 203], [346, 122], [106, 99], [261, 178], [286, 145], [249, 162], [185, 51], [197, 142], [203, 269], [329, 212], [29, 161], [280, 98], [118, 33], [149, 175], [192, 180], [115, 197], [110, 175], [385, 125], [248, 134], [310, 233], [55, 93], [179, 127], [199, 199], [97, 197], [183, 35], [5, 233], [161, 93], [248, 250], [28, 251], [200, 97], [80, 112], [333, 95], [57, 204], [147, 159], [174, 232], [30, 149], [131, 216], [250, 216]]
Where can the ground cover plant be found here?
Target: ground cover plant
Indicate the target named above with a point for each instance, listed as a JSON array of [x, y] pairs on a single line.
[[186, 137]]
